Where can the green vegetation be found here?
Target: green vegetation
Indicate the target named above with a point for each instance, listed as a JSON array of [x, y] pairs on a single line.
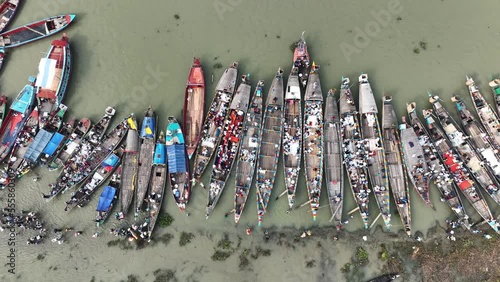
[[423, 45], [292, 48], [122, 244], [244, 262], [225, 243], [131, 278], [40, 257], [164, 275], [310, 263], [221, 255], [361, 256], [260, 252], [93, 279], [346, 268], [176, 16], [164, 220], [217, 66], [185, 238], [416, 51]]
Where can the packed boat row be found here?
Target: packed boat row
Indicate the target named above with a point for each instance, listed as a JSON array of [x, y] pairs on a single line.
[[133, 161]]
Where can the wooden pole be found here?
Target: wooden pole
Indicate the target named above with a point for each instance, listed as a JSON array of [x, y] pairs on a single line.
[[335, 213], [281, 195], [304, 204], [353, 211], [373, 223]]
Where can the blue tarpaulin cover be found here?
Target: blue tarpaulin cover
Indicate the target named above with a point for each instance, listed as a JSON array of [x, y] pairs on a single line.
[[160, 157], [176, 156], [148, 128], [111, 161], [36, 147], [106, 198], [53, 144]]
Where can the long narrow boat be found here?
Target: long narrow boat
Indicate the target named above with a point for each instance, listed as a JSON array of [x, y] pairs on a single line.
[[53, 77], [397, 172], [249, 148], [415, 160], [228, 147], [19, 111], [130, 167], [8, 10], [3, 107], [292, 134], [82, 196], [194, 106], [147, 150], [57, 141], [463, 146], [80, 166], [452, 160], [438, 173], [2, 57], [370, 131], [178, 163], [270, 146], [334, 171], [486, 114], [34, 31], [108, 197], [71, 145], [301, 60], [482, 143], [212, 127], [158, 180], [354, 153], [313, 139], [495, 88]]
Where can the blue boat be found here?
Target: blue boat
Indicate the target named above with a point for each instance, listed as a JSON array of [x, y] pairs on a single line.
[[34, 31], [178, 164], [13, 123], [108, 197], [158, 180]]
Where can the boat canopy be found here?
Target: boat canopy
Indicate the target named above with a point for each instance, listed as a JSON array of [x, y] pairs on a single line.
[[45, 78], [36, 147], [176, 158], [111, 162], [24, 100], [53, 144], [174, 134], [106, 199], [148, 128], [159, 158]]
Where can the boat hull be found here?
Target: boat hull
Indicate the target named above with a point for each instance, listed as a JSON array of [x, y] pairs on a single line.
[[194, 107]]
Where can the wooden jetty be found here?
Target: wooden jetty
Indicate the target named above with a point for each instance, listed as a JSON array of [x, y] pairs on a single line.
[[453, 161], [147, 149], [292, 135], [354, 153], [212, 127], [313, 139], [130, 167], [370, 131], [158, 181], [270, 145], [394, 157], [334, 172], [228, 147], [440, 175], [249, 148]]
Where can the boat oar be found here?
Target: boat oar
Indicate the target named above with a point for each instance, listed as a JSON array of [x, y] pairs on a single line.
[[373, 223], [335, 213], [303, 205], [320, 207], [353, 211], [281, 195], [261, 199]]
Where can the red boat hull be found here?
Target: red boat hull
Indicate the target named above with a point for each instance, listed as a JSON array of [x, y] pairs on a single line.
[[194, 107]]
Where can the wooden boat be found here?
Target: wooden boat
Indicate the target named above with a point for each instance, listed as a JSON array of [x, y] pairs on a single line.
[[292, 135], [72, 145], [3, 107], [34, 31], [147, 150], [453, 162], [57, 141], [397, 172], [495, 87], [385, 278], [354, 153], [130, 167], [194, 107], [482, 143], [178, 163], [228, 147], [301, 60], [416, 161], [313, 139], [438, 173], [8, 10], [81, 165], [270, 145], [53, 77], [20, 109], [370, 131], [158, 180], [334, 172], [108, 197], [212, 127], [249, 148], [82, 196], [2, 57], [486, 114]]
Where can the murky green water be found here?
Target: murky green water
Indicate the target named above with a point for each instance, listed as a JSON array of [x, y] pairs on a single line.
[[131, 54]]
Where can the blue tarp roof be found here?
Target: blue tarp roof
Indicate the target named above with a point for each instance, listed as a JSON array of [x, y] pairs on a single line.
[[36, 147], [174, 130], [176, 156], [160, 157], [106, 198], [148, 128], [24, 100], [53, 144], [111, 161]]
